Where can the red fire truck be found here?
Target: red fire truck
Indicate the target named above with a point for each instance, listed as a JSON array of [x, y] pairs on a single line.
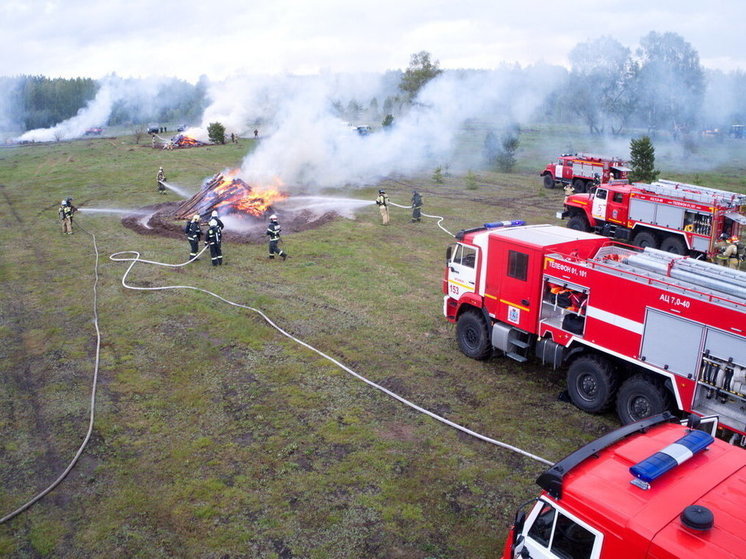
[[650, 490], [583, 170], [675, 217], [640, 329]]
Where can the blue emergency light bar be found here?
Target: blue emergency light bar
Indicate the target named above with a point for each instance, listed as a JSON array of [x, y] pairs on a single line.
[[674, 454], [496, 224]]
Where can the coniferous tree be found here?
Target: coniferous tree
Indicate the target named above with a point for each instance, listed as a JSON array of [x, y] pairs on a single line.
[[642, 160]]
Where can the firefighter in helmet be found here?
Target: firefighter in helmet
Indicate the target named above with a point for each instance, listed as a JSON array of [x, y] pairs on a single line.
[[383, 205], [214, 238], [160, 178], [729, 256], [416, 206], [193, 234], [214, 215], [66, 212], [273, 232]]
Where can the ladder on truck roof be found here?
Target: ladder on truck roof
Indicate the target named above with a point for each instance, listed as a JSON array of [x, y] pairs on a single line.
[[703, 194], [695, 277], [598, 156]]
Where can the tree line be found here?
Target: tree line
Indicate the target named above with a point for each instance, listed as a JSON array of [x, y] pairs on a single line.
[[41, 102]]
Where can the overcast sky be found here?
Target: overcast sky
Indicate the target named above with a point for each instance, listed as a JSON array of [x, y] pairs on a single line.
[[221, 38]]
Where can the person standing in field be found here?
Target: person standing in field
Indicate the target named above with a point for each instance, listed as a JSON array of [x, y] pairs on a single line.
[[416, 206], [383, 205], [193, 234], [214, 240], [273, 232]]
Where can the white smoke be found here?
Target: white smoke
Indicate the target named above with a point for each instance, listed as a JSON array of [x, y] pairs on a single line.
[[93, 114], [308, 145], [137, 99]]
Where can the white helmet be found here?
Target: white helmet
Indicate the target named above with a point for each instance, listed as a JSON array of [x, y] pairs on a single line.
[[214, 213], [273, 217], [213, 223], [195, 217], [63, 203]]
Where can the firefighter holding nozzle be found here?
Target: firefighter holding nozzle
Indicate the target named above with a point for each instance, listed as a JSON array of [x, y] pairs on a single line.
[[383, 204], [160, 179], [66, 212]]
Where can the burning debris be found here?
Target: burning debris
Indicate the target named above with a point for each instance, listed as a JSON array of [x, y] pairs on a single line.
[[182, 141], [229, 195]]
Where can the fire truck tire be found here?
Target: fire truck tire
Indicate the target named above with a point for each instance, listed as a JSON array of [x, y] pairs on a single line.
[[639, 397], [472, 336], [645, 239], [548, 181], [591, 383], [579, 223], [579, 185], [674, 244]]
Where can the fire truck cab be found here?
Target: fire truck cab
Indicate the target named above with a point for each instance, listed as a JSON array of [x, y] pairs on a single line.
[[640, 330], [583, 170], [651, 490], [675, 217]]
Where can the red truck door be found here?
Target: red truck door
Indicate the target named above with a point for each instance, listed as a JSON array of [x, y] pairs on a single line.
[[462, 272], [514, 282], [616, 206], [598, 210]]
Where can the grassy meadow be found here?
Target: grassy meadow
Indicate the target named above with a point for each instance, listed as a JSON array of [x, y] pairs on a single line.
[[217, 437]]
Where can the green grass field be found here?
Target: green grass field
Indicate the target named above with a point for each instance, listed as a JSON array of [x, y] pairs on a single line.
[[217, 437]]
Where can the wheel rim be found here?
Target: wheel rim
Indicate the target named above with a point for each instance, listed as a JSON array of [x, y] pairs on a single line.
[[471, 337], [587, 387], [639, 407]]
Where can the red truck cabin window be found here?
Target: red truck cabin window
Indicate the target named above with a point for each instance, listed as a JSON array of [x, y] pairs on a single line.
[[517, 265]]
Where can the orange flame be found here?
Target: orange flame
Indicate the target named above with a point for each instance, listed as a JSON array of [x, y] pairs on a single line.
[[237, 196]]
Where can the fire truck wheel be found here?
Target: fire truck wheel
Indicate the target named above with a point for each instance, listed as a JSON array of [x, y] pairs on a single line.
[[579, 185], [472, 335], [578, 222], [674, 244], [548, 181], [639, 398], [591, 383], [645, 239]]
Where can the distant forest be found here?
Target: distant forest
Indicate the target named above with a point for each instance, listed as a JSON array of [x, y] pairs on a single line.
[[41, 102]]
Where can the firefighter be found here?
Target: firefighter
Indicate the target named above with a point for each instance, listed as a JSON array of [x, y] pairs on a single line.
[[160, 178], [214, 216], [193, 234], [383, 204], [213, 239], [416, 206], [273, 232], [569, 190], [730, 254], [66, 212]]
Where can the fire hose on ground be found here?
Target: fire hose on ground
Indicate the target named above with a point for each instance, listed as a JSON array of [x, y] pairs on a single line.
[[133, 259], [440, 218]]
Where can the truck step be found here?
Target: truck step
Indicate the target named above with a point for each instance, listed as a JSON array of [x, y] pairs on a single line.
[[519, 343], [517, 356]]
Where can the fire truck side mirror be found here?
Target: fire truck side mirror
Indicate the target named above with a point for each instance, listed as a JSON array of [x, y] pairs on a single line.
[[449, 252], [520, 520]]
